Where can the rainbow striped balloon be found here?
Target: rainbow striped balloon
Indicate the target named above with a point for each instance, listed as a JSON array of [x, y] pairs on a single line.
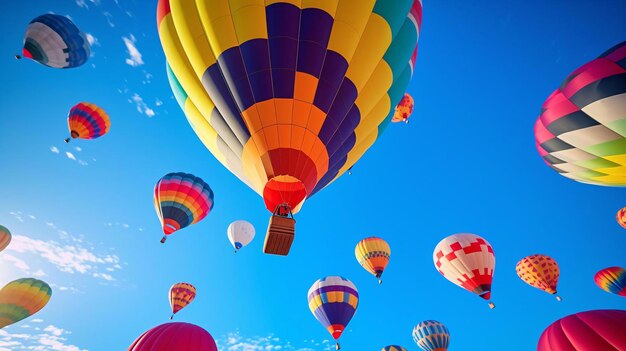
[[22, 298], [393, 348], [612, 279], [373, 254], [333, 301], [181, 295], [431, 336], [87, 121], [5, 237], [621, 217], [181, 199]]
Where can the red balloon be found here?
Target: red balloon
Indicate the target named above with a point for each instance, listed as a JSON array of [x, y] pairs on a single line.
[[586, 331], [174, 336]]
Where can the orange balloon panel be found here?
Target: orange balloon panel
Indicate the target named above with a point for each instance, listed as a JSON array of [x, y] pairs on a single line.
[[539, 271]]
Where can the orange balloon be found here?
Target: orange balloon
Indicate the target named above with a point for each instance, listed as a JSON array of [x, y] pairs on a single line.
[[404, 109], [539, 271]]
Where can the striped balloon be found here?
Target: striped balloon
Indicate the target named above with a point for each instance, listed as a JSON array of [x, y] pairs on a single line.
[[288, 95], [393, 348], [21, 299], [333, 301], [612, 279], [373, 254], [404, 109], [55, 41], [621, 217], [181, 199], [431, 336], [539, 271], [580, 132], [87, 121], [468, 261], [181, 295], [5, 237], [599, 330], [175, 336]]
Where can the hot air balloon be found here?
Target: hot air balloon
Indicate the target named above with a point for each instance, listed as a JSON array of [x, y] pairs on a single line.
[[431, 336], [612, 279], [333, 301], [373, 254], [55, 41], [289, 96], [21, 299], [468, 261], [404, 109], [586, 331], [539, 271], [621, 217], [181, 199], [580, 131], [174, 336], [240, 234], [393, 348], [5, 237], [181, 295], [87, 121]]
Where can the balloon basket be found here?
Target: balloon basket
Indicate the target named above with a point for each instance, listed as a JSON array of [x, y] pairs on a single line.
[[558, 298], [280, 234], [492, 305], [163, 239]]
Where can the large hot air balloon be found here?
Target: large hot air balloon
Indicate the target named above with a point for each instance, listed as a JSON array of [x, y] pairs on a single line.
[[621, 217], [240, 233], [404, 109], [468, 261], [288, 95], [55, 41], [181, 199], [580, 132], [612, 279], [393, 348], [586, 331], [174, 336], [21, 299], [333, 301], [5, 237], [539, 271], [373, 254], [181, 295], [87, 121], [431, 336]]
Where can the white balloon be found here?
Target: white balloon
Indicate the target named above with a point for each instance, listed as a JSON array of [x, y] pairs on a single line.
[[240, 233]]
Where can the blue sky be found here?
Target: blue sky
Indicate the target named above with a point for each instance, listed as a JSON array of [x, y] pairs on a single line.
[[83, 219]]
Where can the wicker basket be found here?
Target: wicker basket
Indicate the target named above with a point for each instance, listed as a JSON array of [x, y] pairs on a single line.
[[280, 234]]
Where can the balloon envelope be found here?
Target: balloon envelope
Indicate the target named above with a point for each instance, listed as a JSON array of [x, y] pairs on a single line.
[[181, 295], [468, 261], [240, 233], [404, 109], [333, 301], [174, 336], [289, 95], [393, 348], [55, 41], [88, 121], [431, 336], [586, 331], [373, 254], [612, 279], [621, 217], [539, 271], [5, 237], [22, 298], [580, 132]]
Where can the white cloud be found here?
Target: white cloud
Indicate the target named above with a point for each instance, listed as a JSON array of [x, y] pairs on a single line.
[[93, 41], [16, 262], [109, 18], [54, 149], [236, 342], [141, 105], [158, 102], [83, 3], [134, 58], [79, 149], [50, 338], [70, 155], [17, 215]]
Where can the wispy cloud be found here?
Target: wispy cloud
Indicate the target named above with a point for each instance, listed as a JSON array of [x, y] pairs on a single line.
[[78, 149], [86, 3], [141, 105], [93, 41], [35, 338], [54, 149], [70, 156], [109, 18], [236, 342], [134, 58]]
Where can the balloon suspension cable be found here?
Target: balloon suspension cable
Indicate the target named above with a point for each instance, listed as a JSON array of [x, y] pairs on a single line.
[[18, 57], [558, 298], [163, 239], [492, 305], [67, 140]]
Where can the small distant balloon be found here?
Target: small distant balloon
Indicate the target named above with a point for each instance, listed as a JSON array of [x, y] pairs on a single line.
[[373, 254], [621, 217], [180, 200], [5, 237], [240, 233], [468, 261], [431, 336], [404, 109], [181, 295], [21, 299], [176, 336], [55, 41], [393, 348], [612, 280], [87, 121], [539, 271]]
